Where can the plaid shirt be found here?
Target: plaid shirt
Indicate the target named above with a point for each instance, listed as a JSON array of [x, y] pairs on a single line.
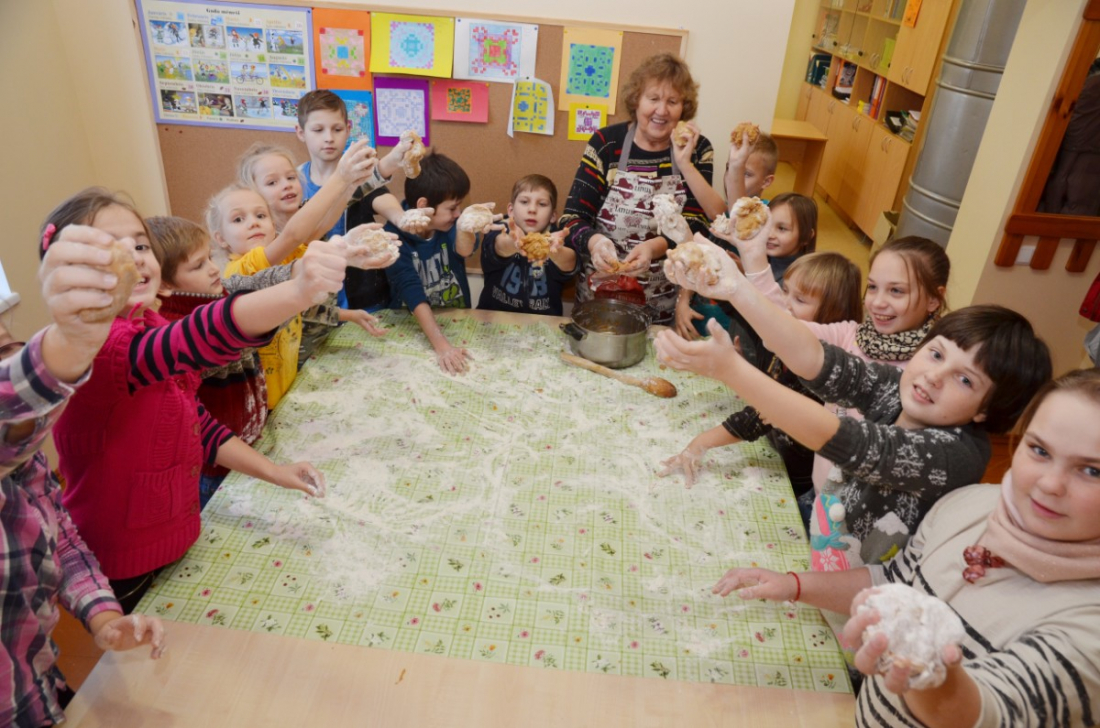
[[44, 561]]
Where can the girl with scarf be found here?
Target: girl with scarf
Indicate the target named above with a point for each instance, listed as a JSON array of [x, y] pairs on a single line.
[[925, 428], [903, 300], [1020, 565]]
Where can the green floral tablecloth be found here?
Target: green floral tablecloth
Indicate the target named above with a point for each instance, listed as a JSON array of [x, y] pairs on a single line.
[[511, 515]]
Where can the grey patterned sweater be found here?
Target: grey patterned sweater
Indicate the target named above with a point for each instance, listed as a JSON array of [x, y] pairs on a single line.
[[886, 478]]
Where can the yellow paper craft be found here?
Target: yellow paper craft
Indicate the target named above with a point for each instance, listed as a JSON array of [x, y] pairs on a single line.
[[585, 120], [590, 67], [419, 45]]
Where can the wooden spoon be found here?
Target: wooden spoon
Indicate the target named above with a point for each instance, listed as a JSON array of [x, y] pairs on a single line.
[[653, 385]]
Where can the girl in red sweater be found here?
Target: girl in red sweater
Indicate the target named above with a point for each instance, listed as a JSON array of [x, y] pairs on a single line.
[[134, 438]]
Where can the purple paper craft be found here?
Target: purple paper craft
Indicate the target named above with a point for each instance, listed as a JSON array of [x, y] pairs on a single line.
[[400, 104]]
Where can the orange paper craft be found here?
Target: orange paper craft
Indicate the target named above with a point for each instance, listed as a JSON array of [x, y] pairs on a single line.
[[341, 49]]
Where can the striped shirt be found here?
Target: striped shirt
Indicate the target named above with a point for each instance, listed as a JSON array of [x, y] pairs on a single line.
[[597, 171], [44, 560], [1032, 648], [134, 438]]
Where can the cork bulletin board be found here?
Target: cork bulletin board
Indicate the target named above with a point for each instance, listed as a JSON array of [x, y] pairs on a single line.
[[198, 161]]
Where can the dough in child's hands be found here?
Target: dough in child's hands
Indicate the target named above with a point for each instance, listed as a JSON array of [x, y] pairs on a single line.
[[122, 266], [722, 225], [670, 223], [746, 130], [475, 218], [375, 240], [414, 221], [749, 215], [681, 135], [536, 246], [410, 162], [918, 627], [699, 262]]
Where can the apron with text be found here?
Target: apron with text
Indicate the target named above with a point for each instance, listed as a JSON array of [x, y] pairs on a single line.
[[626, 217]]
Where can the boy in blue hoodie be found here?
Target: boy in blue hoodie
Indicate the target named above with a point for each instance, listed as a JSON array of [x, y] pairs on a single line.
[[431, 271]]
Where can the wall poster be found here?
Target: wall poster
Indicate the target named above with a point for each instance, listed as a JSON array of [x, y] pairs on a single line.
[[224, 64]]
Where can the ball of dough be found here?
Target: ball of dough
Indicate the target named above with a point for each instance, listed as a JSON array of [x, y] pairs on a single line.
[[681, 135], [410, 162], [536, 246], [670, 223], [375, 240], [745, 129], [414, 221], [749, 216], [722, 225], [475, 218], [122, 266], [699, 261], [918, 626]]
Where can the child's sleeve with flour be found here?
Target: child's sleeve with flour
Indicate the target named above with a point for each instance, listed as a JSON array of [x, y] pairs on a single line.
[[849, 381]]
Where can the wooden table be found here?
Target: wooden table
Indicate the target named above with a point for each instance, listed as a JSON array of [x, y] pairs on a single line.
[[212, 677], [802, 146]]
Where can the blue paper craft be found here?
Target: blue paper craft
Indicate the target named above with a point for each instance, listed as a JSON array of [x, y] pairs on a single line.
[[412, 45], [590, 69], [360, 114]]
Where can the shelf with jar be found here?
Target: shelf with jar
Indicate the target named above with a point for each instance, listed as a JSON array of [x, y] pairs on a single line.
[[866, 82]]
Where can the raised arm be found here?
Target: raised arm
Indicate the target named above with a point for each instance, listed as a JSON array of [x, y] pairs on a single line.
[[71, 282], [783, 334], [698, 181], [215, 333], [322, 210], [799, 416]]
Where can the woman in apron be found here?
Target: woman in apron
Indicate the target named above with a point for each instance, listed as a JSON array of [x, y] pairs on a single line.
[[609, 212]]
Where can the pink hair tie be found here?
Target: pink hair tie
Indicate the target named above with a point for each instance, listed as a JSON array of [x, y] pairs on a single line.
[[47, 234]]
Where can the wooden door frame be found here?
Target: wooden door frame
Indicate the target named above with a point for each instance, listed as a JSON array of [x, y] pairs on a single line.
[[1050, 228]]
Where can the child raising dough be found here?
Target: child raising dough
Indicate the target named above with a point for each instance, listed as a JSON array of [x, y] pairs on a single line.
[[526, 266], [269, 170], [133, 439], [1019, 563], [324, 130], [431, 272], [904, 297], [240, 222], [44, 561], [235, 394], [925, 428], [820, 287]]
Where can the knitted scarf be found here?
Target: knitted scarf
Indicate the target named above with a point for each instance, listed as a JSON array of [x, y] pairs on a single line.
[[891, 347], [1043, 560]]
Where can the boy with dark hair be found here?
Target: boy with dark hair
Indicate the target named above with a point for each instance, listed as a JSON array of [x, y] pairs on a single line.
[[323, 128], [431, 271], [517, 278]]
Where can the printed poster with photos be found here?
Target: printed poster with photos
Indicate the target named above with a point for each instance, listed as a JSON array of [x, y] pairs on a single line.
[[223, 64], [494, 50]]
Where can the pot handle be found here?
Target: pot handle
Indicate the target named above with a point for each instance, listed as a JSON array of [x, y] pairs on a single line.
[[573, 330]]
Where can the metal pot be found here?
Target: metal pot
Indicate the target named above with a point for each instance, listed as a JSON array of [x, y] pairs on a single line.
[[608, 332]]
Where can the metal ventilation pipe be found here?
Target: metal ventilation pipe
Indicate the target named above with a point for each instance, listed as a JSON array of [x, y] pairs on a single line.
[[969, 77]]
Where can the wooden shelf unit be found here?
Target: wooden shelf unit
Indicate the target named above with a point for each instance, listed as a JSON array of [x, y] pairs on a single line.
[[893, 63]]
